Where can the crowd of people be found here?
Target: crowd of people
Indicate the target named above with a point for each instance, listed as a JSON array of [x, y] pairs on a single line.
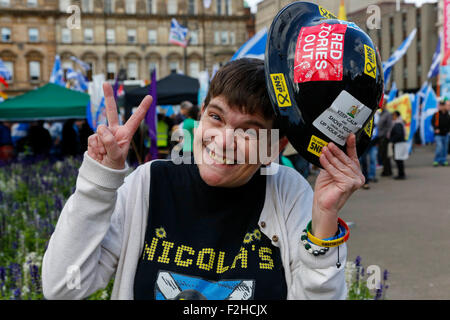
[[58, 139], [43, 139]]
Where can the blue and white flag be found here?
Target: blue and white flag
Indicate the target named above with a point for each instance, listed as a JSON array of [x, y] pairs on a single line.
[[435, 61], [421, 94], [253, 48], [4, 72], [397, 55], [393, 92], [178, 34], [57, 76], [428, 110], [82, 64], [79, 81]]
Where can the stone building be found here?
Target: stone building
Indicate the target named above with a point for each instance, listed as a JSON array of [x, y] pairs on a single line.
[[116, 34]]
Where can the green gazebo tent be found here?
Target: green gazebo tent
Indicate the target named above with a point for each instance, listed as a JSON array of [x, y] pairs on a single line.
[[49, 102]]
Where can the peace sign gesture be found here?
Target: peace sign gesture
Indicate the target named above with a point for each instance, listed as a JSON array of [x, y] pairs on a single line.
[[109, 146]]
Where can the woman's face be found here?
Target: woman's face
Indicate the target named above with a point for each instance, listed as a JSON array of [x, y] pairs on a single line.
[[227, 144]]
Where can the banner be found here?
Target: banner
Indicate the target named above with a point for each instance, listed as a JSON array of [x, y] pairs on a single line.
[[403, 104], [444, 79], [446, 26]]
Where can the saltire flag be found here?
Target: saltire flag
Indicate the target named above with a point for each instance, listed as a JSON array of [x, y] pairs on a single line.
[[203, 78], [255, 47], [428, 110], [57, 76], [4, 72], [78, 78], [342, 14], [95, 110], [82, 64], [414, 119], [393, 92], [178, 34], [397, 55], [150, 118], [435, 61], [421, 94]]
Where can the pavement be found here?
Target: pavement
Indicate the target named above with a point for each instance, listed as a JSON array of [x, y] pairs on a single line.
[[403, 226]]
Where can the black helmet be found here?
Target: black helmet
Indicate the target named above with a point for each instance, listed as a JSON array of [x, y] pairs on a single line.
[[324, 78]]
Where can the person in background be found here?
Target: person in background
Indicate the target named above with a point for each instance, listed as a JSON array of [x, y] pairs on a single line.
[[384, 127], [441, 125], [188, 129], [39, 139], [397, 135], [55, 130], [85, 131], [185, 106], [300, 164], [70, 139], [6, 144]]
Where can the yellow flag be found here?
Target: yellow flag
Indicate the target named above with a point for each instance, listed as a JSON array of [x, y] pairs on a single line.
[[3, 95], [342, 14]]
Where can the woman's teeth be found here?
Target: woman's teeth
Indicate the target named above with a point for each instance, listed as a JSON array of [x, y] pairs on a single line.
[[218, 159]]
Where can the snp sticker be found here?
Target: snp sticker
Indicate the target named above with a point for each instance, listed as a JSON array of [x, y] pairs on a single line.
[[370, 64], [368, 128], [326, 14], [345, 115], [281, 91], [316, 145]]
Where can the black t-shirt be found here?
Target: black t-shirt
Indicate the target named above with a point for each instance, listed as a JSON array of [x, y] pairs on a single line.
[[204, 242]]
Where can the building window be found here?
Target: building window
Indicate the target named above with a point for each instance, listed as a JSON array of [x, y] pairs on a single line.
[[66, 35], [110, 36], [192, 9], [219, 6], [87, 6], [132, 70], [33, 35], [172, 7], [131, 35], [88, 35], [153, 65], [193, 37], [34, 70], [151, 6], [9, 65], [232, 37], [228, 9], [152, 37], [109, 6], [130, 7], [4, 3], [174, 65], [32, 3], [216, 37], [111, 70], [224, 37], [63, 5], [6, 34], [194, 69]]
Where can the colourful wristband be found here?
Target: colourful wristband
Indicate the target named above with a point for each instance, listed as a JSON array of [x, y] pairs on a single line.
[[329, 243]]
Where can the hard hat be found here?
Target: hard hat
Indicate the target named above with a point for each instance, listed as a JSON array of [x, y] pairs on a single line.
[[324, 78]]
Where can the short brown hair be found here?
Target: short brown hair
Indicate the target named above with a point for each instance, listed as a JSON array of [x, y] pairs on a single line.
[[242, 83]]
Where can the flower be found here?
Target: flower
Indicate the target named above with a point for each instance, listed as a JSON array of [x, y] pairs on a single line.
[[358, 261], [248, 238], [160, 232]]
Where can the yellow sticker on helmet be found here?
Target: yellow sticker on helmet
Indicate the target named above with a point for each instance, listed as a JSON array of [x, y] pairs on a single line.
[[316, 145], [281, 90], [326, 14], [370, 62], [368, 128]]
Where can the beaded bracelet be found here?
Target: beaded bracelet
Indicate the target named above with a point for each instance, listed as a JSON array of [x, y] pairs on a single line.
[[329, 243]]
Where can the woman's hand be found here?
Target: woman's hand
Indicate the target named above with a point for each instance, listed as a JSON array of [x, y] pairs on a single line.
[[109, 146], [335, 184]]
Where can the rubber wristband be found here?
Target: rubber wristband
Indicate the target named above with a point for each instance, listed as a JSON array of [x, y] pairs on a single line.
[[329, 243]]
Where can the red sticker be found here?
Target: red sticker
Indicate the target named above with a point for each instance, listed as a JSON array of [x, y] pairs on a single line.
[[319, 53]]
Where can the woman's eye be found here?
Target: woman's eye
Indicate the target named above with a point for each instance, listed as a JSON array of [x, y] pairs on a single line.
[[215, 117]]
